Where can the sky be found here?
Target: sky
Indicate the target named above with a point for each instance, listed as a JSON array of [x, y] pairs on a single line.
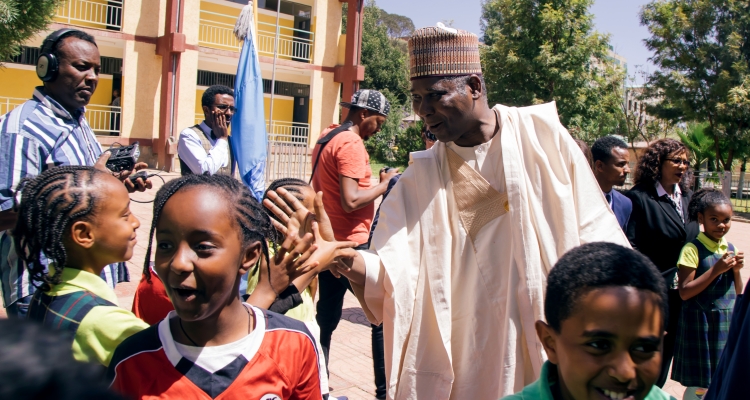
[[619, 18]]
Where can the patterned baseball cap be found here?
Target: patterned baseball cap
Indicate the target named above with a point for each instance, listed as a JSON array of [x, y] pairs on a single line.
[[443, 51], [370, 100]]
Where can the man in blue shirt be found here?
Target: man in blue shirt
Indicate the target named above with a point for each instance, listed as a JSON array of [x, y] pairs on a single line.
[[47, 131], [611, 167]]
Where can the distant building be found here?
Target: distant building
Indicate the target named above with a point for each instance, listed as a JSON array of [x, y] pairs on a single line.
[[636, 103], [163, 54]]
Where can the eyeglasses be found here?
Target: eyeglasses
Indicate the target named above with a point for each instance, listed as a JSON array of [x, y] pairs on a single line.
[[678, 161], [224, 107]]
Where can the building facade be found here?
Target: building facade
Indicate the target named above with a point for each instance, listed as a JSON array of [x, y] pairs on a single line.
[[162, 55]]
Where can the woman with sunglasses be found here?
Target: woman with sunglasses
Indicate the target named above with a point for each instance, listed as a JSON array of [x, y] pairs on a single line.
[[659, 225]]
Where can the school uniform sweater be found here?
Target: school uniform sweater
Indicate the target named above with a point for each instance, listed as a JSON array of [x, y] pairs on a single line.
[[84, 307]]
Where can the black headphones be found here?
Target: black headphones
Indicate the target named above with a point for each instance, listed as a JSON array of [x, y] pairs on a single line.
[[47, 65]]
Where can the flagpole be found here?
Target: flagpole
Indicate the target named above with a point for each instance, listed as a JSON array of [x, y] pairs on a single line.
[[273, 71]]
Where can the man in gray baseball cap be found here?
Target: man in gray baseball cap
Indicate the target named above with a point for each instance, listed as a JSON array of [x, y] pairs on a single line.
[[341, 170]]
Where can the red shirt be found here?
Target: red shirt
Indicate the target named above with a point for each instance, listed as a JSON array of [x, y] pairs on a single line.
[[344, 155], [151, 302], [283, 366]]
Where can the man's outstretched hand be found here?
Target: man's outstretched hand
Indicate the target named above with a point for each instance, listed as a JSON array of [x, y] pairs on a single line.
[[140, 184], [286, 207]]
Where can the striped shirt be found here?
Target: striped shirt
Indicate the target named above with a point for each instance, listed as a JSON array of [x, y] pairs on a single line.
[[35, 136]]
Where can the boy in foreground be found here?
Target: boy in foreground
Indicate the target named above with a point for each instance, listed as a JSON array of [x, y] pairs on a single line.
[[605, 310]]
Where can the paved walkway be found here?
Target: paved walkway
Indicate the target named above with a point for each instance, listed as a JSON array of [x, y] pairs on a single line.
[[351, 372]]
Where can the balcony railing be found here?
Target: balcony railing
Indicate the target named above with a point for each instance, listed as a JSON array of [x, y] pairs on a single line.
[[287, 150], [217, 31], [103, 120], [101, 14], [7, 104]]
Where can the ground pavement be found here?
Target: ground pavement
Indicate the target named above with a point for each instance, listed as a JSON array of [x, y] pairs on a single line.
[[351, 372]]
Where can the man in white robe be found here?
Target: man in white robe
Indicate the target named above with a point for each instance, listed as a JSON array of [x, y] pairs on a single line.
[[458, 264]]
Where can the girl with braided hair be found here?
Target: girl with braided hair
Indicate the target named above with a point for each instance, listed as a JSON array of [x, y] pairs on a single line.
[[80, 219], [209, 231], [709, 282]]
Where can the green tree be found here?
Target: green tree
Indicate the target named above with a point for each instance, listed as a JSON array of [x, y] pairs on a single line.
[[397, 26], [542, 50], [20, 20], [702, 49]]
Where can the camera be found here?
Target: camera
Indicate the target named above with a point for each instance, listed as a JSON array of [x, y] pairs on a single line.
[[123, 158]]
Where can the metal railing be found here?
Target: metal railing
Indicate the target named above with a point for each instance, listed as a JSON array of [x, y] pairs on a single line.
[[216, 31], [739, 189], [102, 14], [103, 120], [293, 43], [287, 150], [7, 104]]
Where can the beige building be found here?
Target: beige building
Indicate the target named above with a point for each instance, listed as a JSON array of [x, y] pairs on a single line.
[[163, 54]]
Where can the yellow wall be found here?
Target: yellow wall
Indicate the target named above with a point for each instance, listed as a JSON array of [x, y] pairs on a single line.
[[20, 83], [17, 83], [283, 107]]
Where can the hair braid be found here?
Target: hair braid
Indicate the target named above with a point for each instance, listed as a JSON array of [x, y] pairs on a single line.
[[704, 198], [254, 223], [50, 203]]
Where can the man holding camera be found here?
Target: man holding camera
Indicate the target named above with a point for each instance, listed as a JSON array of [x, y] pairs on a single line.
[[341, 170], [47, 131], [204, 148]]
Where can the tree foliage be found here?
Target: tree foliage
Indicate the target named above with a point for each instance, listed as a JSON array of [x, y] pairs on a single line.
[[20, 20], [543, 50], [397, 26], [702, 49], [387, 70]]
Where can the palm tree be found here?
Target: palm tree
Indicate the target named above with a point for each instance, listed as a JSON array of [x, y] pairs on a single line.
[[701, 146]]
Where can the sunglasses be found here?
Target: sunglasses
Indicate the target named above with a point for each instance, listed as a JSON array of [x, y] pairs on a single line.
[[224, 107], [678, 161]]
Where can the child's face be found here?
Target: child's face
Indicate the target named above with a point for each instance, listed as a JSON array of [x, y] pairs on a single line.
[[111, 233], [716, 220], [199, 253], [609, 347]]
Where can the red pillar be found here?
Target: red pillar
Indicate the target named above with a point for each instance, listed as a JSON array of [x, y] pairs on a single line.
[[352, 72], [169, 46]]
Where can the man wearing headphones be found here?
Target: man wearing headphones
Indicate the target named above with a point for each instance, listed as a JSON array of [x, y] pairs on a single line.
[[47, 131]]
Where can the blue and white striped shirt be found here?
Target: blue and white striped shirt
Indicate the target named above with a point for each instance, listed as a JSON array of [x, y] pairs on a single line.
[[35, 136]]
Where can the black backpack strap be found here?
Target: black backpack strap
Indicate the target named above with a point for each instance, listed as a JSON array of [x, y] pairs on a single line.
[[324, 141]]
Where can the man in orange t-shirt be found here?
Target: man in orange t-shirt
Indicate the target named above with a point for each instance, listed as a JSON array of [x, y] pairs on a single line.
[[341, 170]]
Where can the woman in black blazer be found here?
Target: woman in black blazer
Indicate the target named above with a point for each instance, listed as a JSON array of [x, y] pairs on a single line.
[[659, 226]]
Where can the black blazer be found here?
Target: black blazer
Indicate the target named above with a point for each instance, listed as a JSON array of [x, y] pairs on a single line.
[[656, 230]]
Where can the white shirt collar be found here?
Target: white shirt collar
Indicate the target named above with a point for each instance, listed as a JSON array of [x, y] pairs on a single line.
[[661, 192]]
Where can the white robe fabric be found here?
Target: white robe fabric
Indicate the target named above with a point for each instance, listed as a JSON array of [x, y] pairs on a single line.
[[440, 296]]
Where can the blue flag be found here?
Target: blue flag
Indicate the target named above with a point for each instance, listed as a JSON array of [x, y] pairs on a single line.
[[248, 139]]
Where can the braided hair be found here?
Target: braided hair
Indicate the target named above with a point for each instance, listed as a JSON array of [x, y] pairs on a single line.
[[50, 203], [247, 211], [704, 198]]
